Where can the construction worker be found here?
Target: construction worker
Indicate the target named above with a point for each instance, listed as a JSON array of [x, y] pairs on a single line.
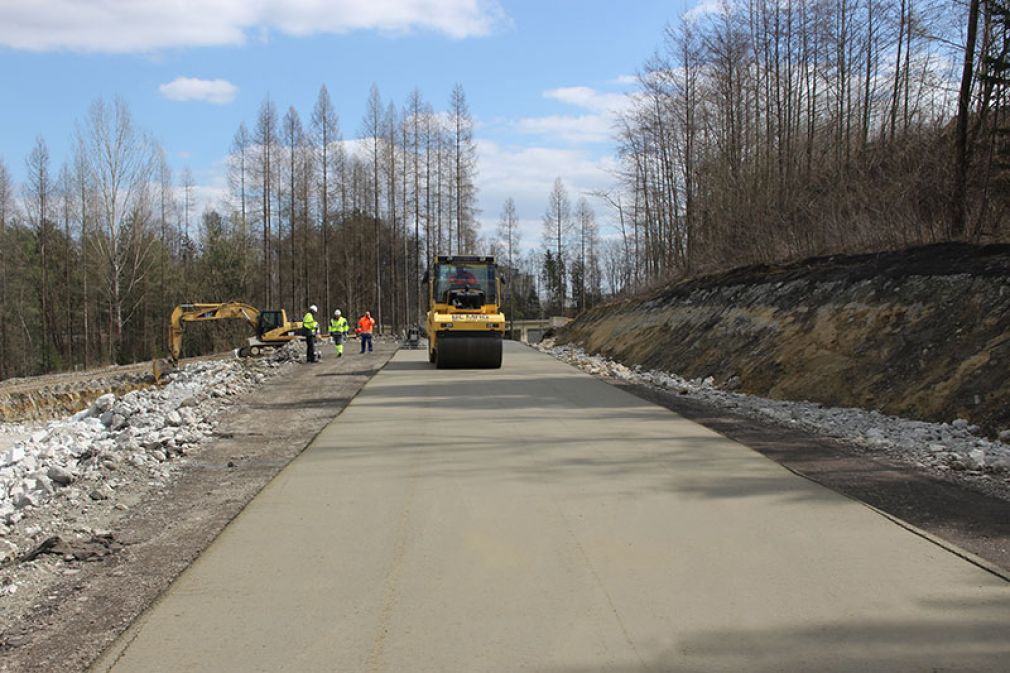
[[462, 276], [338, 330], [309, 329], [366, 325]]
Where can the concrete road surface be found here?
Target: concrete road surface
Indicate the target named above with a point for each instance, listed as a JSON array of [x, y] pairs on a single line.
[[536, 519]]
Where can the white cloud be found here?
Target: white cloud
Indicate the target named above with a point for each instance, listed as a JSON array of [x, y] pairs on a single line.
[[590, 99], [123, 26], [217, 91], [705, 8], [572, 129], [527, 175], [625, 80], [594, 127]]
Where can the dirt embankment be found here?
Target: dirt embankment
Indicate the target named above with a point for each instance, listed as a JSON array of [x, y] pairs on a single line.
[[923, 333]]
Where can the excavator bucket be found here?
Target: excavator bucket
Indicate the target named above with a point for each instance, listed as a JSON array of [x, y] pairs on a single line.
[[461, 351], [162, 366]]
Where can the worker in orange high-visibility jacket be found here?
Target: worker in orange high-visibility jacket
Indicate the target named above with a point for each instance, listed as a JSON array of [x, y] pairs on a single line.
[[366, 325]]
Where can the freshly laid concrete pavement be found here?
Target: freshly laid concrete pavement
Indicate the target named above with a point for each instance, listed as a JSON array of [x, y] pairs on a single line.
[[536, 519]]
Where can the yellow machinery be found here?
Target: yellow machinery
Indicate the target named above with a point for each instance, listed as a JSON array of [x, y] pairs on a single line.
[[465, 324], [271, 328]]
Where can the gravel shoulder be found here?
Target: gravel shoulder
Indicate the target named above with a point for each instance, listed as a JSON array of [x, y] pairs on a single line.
[[73, 608]]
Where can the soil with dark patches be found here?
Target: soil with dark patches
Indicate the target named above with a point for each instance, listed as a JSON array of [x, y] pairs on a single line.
[[976, 522], [81, 614], [941, 259]]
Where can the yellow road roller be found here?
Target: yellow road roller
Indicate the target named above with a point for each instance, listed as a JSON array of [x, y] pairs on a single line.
[[465, 324]]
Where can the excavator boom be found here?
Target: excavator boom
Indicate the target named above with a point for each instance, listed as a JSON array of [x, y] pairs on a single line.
[[184, 313]]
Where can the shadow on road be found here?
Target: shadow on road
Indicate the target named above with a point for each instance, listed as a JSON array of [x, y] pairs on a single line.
[[972, 642]]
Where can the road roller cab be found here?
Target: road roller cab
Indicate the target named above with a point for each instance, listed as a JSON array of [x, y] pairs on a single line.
[[465, 324]]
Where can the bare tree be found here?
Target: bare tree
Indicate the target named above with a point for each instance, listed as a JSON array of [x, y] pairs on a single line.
[[416, 116], [264, 175], [166, 200], [557, 229], [239, 164], [85, 193], [38, 194], [959, 216], [188, 186], [372, 131], [6, 214], [326, 137], [587, 285], [122, 162], [294, 140], [510, 237], [464, 157]]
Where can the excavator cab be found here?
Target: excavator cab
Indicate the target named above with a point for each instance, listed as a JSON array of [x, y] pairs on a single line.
[[270, 320]]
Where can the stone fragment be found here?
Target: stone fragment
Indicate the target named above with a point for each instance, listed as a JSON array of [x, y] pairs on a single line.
[[102, 404], [25, 499], [960, 424], [43, 485], [13, 455], [8, 551], [60, 475], [101, 492]]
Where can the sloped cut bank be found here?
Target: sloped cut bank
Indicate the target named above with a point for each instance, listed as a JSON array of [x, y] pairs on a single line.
[[44, 402], [923, 333]]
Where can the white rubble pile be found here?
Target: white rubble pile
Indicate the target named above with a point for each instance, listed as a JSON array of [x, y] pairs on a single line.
[[955, 446], [117, 444]]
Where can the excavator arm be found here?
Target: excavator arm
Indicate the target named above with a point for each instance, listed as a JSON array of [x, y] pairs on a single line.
[[202, 312]]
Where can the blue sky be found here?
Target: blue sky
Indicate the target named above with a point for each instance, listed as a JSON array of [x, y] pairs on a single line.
[[541, 77]]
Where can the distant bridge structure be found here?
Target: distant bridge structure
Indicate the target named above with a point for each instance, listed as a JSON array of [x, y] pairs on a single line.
[[532, 331]]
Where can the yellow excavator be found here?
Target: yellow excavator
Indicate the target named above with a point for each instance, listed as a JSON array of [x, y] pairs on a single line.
[[271, 329], [465, 324]]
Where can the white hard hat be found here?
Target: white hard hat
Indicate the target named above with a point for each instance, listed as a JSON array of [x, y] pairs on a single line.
[[337, 313], [313, 308]]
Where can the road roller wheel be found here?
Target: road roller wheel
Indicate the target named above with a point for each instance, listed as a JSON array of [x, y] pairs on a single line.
[[469, 352]]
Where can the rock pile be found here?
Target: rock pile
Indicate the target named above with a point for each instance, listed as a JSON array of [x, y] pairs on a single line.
[[118, 443], [955, 446]]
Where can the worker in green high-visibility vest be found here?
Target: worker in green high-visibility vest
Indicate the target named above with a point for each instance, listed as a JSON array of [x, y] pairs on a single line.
[[338, 331], [309, 329]]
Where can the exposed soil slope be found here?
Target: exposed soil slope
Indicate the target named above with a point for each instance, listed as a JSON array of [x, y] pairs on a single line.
[[923, 333]]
